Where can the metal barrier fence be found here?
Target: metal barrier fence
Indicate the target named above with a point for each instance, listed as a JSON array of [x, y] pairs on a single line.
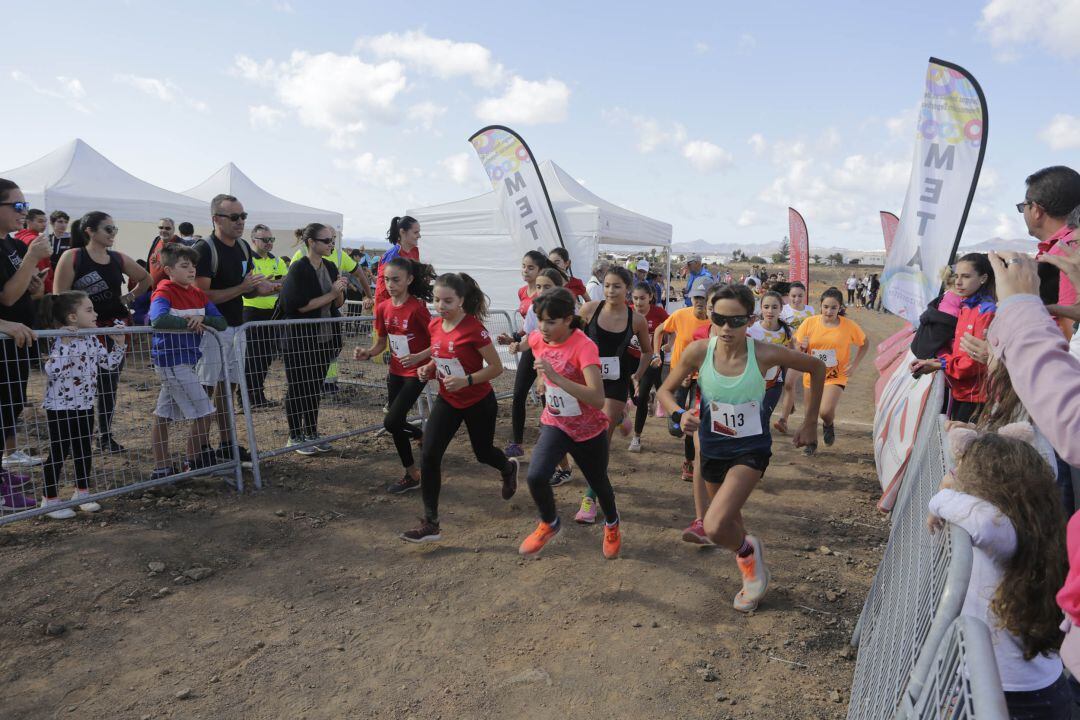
[[79, 457], [963, 681], [301, 390], [916, 595]]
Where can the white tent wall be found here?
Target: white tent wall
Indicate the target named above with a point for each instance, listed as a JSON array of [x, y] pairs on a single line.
[[471, 235]]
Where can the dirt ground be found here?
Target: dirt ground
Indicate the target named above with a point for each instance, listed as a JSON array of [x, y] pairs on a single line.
[[299, 601]]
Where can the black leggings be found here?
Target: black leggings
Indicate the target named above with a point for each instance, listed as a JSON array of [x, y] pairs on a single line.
[[401, 394], [649, 381], [590, 455], [305, 369], [107, 381], [70, 432], [523, 381], [262, 347], [441, 427], [14, 373]]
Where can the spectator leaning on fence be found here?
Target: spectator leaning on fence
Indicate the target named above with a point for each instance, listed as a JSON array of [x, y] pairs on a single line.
[[73, 371], [20, 284], [1002, 493], [225, 274], [262, 341], [1051, 195], [94, 268], [313, 289], [178, 304]]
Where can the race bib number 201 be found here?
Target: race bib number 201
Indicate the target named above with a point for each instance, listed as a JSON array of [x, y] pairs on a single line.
[[736, 421], [561, 403]]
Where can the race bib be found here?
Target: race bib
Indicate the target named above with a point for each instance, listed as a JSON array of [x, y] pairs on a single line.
[[449, 367], [771, 373], [399, 345], [609, 368], [561, 403], [735, 421], [826, 356]]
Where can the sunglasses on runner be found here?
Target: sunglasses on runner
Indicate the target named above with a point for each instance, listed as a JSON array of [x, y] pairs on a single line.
[[110, 229], [732, 321], [235, 217], [19, 207]]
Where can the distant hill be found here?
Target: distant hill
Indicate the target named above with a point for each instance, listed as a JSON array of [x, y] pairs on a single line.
[[703, 247], [1025, 245]]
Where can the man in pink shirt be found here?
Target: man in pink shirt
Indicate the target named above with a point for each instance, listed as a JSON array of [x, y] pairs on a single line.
[[1052, 193]]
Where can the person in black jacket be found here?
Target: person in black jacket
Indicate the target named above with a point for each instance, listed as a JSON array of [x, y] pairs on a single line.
[[313, 290]]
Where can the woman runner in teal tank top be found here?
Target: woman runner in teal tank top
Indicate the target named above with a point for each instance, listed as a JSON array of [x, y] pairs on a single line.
[[732, 425]]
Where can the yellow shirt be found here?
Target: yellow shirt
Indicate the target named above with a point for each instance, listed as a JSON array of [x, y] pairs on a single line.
[[832, 345], [684, 324], [339, 257], [275, 269]]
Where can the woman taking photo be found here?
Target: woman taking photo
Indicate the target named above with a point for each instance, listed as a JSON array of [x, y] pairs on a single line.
[[94, 268], [312, 290]]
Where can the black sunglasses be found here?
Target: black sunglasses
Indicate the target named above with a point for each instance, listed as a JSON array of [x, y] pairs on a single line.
[[163, 227], [110, 229], [265, 239], [732, 321], [1021, 205], [19, 207], [328, 241], [235, 217]]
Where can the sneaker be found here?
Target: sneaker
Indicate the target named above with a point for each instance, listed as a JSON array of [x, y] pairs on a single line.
[[109, 445], [586, 515], [404, 485], [225, 455], [206, 459], [688, 471], [13, 499], [780, 425], [625, 426], [561, 476], [509, 481], [541, 536], [16, 482], [514, 450], [427, 532], [695, 534], [755, 575], [20, 458], [306, 450], [89, 505], [323, 447], [161, 472], [612, 540], [828, 434], [60, 514], [635, 444]]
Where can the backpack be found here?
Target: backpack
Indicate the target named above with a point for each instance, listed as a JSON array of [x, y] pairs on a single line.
[[209, 243]]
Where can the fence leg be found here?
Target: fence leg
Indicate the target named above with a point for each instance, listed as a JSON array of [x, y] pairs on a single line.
[[240, 348]]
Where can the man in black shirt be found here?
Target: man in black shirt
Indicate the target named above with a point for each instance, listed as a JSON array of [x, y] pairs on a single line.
[[224, 274]]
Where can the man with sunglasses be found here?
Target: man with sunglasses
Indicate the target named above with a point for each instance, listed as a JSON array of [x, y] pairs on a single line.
[[262, 342], [1051, 195], [225, 273], [165, 236]]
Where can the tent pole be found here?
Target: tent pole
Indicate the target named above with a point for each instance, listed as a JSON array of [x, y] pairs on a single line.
[[667, 288]]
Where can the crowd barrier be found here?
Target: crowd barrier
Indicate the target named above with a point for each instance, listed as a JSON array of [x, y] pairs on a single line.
[[133, 393], [912, 652], [350, 396]]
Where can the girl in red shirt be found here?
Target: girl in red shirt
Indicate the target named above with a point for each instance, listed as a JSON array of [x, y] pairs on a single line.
[[573, 420], [464, 362], [404, 239], [402, 323], [560, 258], [655, 315]]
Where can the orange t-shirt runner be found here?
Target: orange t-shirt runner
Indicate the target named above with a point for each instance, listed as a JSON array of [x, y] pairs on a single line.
[[831, 345]]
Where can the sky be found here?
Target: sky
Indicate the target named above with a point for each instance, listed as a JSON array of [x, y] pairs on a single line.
[[712, 116]]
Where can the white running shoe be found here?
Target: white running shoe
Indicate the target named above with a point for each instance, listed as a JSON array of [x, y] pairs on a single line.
[[755, 575], [20, 458], [61, 514], [89, 506], [635, 444]]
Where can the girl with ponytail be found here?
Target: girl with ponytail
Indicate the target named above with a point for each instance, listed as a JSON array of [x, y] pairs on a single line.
[[463, 362], [404, 238]]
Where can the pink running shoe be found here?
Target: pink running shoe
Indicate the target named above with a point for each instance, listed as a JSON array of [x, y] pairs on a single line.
[[587, 514], [695, 534]]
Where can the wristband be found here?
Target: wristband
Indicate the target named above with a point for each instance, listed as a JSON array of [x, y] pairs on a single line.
[[469, 378], [676, 417]]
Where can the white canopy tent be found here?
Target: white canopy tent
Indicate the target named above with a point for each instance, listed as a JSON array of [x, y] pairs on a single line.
[[471, 235], [282, 216], [77, 179]]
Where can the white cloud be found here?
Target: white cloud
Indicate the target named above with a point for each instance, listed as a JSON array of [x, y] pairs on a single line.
[[69, 89], [380, 172], [701, 47], [164, 90], [747, 42], [527, 102], [438, 57], [757, 143], [706, 157], [264, 117], [426, 113], [1012, 24], [336, 93], [652, 135], [459, 167], [1063, 132], [284, 6], [748, 218]]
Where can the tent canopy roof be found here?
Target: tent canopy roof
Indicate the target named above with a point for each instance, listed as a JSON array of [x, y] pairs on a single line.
[[257, 201]]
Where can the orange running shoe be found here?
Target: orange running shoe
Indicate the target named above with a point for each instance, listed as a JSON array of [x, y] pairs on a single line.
[[612, 541], [755, 577], [541, 536]]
